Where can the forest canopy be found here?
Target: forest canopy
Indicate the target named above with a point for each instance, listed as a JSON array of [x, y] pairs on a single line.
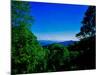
[[28, 56]]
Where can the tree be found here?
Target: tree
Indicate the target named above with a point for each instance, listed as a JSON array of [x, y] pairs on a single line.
[[58, 57], [88, 28], [87, 38], [26, 53], [20, 12]]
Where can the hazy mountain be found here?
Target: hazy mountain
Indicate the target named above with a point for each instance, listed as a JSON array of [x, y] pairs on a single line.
[[48, 42], [66, 43]]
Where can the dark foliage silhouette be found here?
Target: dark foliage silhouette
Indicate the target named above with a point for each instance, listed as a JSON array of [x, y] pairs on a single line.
[[86, 45]]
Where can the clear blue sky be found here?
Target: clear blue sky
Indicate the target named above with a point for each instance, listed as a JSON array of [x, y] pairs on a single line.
[[56, 21]]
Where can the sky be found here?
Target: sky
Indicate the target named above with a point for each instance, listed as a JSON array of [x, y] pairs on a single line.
[[59, 22]]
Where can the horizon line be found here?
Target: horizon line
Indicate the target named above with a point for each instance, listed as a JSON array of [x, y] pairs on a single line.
[[57, 40]]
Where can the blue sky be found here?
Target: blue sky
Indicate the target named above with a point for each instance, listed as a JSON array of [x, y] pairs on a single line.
[[58, 22]]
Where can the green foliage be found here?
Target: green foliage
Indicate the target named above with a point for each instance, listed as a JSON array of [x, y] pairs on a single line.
[[25, 50], [20, 13], [27, 54], [74, 54], [57, 56]]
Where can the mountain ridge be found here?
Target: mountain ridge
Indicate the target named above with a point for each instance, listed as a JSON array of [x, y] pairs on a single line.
[[48, 42]]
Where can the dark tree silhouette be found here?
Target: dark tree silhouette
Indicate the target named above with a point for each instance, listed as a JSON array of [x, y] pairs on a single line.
[[87, 35], [88, 28]]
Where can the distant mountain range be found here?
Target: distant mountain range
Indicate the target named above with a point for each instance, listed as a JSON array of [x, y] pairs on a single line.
[[66, 43], [48, 42]]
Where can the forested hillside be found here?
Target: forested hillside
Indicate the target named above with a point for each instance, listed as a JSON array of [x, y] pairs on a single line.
[[28, 56]]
